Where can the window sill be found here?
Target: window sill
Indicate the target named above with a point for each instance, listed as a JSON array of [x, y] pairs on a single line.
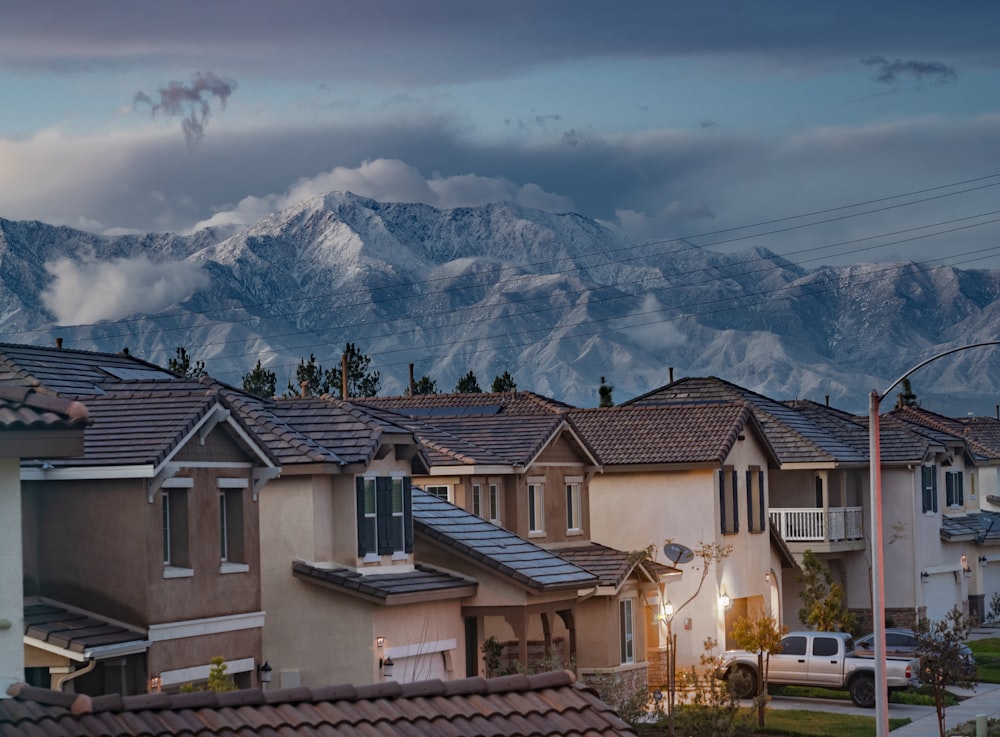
[[398, 555], [536, 533], [575, 532], [234, 568], [175, 572], [371, 558]]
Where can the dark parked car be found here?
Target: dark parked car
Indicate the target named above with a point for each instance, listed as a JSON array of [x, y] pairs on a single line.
[[904, 642]]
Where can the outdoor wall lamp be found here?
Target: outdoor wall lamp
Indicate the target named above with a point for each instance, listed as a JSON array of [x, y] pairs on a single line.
[[668, 609], [380, 642], [264, 671], [724, 600], [965, 565], [982, 560], [924, 576], [385, 665], [155, 684]]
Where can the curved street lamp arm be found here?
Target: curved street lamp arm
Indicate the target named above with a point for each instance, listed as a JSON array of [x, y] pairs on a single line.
[[933, 358]]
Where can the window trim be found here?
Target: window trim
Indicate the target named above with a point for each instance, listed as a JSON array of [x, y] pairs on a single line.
[[477, 499], [494, 502], [384, 528], [626, 631], [536, 507], [175, 531], [447, 491], [574, 506], [928, 488]]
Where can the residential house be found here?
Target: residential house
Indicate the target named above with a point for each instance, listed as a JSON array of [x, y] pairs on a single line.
[[141, 560], [546, 705], [31, 425], [694, 475]]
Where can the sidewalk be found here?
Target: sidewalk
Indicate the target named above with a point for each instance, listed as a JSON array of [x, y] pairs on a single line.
[[984, 700]]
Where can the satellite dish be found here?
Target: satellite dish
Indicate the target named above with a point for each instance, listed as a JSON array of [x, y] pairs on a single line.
[[678, 553]]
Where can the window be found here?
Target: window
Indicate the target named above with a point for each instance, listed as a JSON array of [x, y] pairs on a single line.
[[574, 509], [385, 516], [477, 500], [536, 507], [729, 501], [756, 512], [625, 628], [826, 646], [231, 550], [794, 645], [441, 492], [175, 529], [954, 494], [928, 478], [494, 504]]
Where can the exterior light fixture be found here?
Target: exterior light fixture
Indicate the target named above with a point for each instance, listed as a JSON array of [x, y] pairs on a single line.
[[385, 665], [965, 564], [265, 673], [724, 600], [668, 609], [380, 642], [924, 576], [155, 684], [982, 560]]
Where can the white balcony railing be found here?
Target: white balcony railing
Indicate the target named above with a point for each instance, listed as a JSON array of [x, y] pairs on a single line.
[[819, 525]]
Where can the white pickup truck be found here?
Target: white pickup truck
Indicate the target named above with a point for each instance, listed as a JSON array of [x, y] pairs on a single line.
[[824, 659]]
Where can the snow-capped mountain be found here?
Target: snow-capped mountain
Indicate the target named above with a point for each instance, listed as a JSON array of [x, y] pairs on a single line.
[[556, 300]]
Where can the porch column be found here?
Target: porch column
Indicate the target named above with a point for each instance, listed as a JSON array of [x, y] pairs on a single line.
[[566, 615], [517, 621]]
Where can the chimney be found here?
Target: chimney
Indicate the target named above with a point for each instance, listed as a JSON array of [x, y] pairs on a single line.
[[671, 375], [343, 375], [305, 389], [827, 400], [59, 343], [413, 386]]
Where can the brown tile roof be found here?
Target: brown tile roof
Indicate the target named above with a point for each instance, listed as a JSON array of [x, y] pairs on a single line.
[[543, 705], [611, 566], [983, 433], [388, 588], [48, 622], [24, 408], [493, 547], [464, 405], [674, 433]]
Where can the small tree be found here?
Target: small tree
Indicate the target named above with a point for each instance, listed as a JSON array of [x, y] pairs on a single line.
[[906, 398], [604, 392], [260, 381], [425, 385], [823, 606], [762, 635], [311, 374], [181, 365], [468, 385], [940, 646], [712, 708], [218, 679], [361, 381], [504, 383]]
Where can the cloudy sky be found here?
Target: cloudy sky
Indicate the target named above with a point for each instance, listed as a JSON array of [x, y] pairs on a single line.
[[731, 123]]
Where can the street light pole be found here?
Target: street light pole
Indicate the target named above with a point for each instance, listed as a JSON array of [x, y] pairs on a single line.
[[878, 574]]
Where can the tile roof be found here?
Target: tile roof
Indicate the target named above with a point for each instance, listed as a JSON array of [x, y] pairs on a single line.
[[388, 588], [493, 547], [983, 434], [24, 408], [983, 527], [612, 567], [670, 433], [543, 705], [51, 623], [465, 405], [794, 437]]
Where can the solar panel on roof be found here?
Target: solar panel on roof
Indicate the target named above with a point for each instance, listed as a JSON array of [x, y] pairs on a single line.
[[136, 374]]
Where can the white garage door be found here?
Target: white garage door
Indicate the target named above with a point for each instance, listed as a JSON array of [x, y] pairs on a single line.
[[941, 595], [991, 584], [419, 668]]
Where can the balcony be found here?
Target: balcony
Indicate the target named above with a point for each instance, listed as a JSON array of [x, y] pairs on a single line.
[[820, 530]]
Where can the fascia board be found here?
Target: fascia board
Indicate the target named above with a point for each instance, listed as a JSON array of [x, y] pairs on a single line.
[[811, 465], [81, 473], [474, 470]]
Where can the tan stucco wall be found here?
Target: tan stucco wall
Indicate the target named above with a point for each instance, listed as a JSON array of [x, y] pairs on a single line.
[[11, 593]]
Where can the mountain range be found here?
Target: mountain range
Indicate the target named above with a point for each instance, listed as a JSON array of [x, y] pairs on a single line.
[[558, 301]]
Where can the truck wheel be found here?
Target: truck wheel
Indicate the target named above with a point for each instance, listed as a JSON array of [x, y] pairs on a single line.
[[863, 691], [743, 682]]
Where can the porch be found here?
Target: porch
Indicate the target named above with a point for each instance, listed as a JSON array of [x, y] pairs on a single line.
[[832, 529]]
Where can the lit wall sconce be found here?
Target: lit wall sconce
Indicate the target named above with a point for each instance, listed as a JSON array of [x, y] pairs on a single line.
[[385, 665], [380, 642], [724, 600], [965, 566], [155, 684], [982, 560], [924, 576], [668, 609], [264, 672]]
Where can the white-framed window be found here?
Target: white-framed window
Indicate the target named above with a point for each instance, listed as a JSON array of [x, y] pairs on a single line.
[[174, 508], [574, 507], [954, 491], [232, 554], [494, 503], [626, 629], [536, 507], [440, 491], [385, 516], [477, 500]]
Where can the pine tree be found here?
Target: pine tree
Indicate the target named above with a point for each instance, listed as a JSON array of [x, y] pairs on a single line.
[[361, 382], [425, 385], [260, 381], [604, 392], [504, 383], [822, 600], [468, 385], [181, 365], [311, 373], [906, 398]]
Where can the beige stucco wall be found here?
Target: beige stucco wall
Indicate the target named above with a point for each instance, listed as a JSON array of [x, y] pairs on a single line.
[[633, 509], [11, 592]]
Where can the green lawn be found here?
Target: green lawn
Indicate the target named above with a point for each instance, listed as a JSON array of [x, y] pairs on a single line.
[[987, 654], [805, 723]]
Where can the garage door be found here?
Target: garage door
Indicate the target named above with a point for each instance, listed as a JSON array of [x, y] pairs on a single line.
[[941, 595], [419, 668], [991, 584]]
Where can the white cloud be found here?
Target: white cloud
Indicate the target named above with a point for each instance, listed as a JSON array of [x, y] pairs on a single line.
[[651, 326], [87, 291]]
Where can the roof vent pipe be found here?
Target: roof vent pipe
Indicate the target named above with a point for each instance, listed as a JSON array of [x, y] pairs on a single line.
[[305, 388], [343, 375], [998, 411], [827, 400], [59, 343], [671, 375], [412, 385]]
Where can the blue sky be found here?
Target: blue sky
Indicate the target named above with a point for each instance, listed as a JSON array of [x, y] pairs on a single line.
[[661, 119]]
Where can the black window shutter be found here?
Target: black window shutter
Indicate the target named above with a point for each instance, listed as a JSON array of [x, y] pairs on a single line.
[[722, 499], [934, 494], [383, 507], [949, 489], [365, 542], [750, 520], [959, 479], [408, 514], [760, 495], [736, 504]]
